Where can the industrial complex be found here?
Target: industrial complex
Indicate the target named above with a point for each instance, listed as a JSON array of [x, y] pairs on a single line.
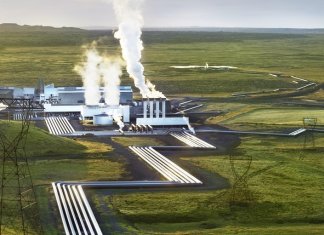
[[68, 103], [65, 112], [95, 148]]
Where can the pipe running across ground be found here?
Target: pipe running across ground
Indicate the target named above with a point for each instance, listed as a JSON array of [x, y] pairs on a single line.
[[75, 211]]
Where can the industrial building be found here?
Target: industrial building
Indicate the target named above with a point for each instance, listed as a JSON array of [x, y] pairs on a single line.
[[70, 102], [75, 95], [49, 94], [155, 114]]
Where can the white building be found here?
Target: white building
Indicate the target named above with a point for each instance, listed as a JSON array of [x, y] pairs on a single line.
[[154, 114]]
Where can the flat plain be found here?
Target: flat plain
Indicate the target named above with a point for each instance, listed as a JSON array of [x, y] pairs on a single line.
[[283, 191]]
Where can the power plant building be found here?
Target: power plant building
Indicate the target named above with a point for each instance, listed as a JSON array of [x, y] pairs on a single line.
[[70, 101], [75, 95]]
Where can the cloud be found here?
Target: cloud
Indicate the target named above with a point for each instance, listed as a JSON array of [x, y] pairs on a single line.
[[169, 13]]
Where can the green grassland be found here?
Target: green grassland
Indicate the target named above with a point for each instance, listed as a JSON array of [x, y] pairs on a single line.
[[283, 195], [26, 56], [285, 190], [53, 158], [41, 143], [292, 116]]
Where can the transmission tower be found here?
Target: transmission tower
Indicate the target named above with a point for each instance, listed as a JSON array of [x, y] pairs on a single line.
[[309, 138], [240, 192], [19, 212]]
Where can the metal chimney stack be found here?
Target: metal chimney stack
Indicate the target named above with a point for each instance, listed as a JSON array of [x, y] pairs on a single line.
[[163, 107], [151, 101]]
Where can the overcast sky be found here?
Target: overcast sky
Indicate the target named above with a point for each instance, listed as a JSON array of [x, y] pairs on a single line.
[[169, 13]]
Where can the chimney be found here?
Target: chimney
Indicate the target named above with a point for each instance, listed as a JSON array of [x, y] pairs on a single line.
[[151, 108], [157, 108], [144, 108], [163, 108]]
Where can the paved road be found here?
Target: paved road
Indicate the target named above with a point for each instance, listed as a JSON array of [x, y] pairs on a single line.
[[115, 133], [291, 134]]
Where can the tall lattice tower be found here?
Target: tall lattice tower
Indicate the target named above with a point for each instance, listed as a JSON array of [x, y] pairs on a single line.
[[240, 192], [309, 138], [19, 212]]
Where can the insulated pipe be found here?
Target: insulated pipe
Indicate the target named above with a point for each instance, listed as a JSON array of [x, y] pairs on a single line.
[[183, 172], [121, 184], [157, 167], [193, 142], [52, 126], [66, 209], [90, 212], [185, 102], [168, 167], [59, 204], [152, 164], [69, 202], [77, 209], [162, 163], [197, 143], [56, 125], [85, 215], [68, 124], [49, 127], [202, 142], [184, 140], [60, 126], [162, 159], [63, 125]]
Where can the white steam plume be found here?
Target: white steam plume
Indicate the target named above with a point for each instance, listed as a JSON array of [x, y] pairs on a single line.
[[96, 70], [119, 122], [129, 33], [111, 72], [90, 74]]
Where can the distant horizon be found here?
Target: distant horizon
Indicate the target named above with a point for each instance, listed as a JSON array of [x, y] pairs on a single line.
[[94, 27], [304, 14], [204, 27]]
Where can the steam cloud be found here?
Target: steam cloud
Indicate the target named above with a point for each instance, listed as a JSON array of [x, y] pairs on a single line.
[[95, 70], [111, 72], [129, 33], [90, 74]]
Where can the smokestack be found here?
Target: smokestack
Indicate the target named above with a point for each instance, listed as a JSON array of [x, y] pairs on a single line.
[[151, 108], [163, 108], [145, 108], [157, 108]]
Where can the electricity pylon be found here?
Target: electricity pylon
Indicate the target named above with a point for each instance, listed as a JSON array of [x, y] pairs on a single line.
[[309, 138], [19, 212], [240, 192]]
